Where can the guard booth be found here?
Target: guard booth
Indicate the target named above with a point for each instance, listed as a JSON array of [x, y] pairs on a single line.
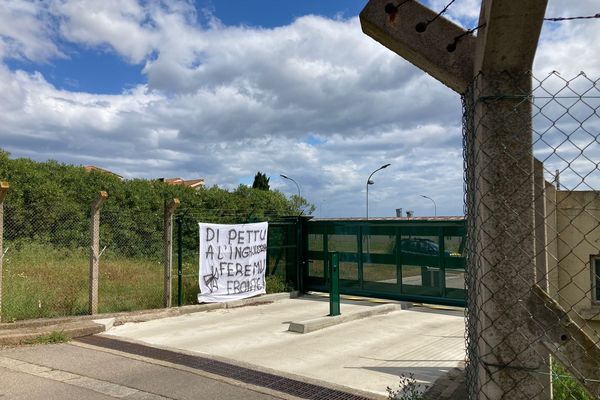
[[410, 259]]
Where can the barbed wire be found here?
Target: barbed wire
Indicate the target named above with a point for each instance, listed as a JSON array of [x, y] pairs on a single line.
[[559, 19], [392, 10], [452, 46], [422, 26]]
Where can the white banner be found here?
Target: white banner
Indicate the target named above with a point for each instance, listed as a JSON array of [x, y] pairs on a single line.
[[233, 261]]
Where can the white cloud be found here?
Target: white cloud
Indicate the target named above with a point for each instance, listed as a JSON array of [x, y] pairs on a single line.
[[223, 102], [464, 10], [26, 31], [120, 24], [569, 47]]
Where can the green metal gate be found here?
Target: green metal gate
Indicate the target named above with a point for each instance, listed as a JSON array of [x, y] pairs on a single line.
[[419, 260], [286, 250]]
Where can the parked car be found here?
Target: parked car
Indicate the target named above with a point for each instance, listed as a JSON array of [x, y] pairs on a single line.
[[420, 246]]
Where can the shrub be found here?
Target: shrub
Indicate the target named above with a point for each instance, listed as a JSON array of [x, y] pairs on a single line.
[[276, 284], [565, 386], [408, 389]]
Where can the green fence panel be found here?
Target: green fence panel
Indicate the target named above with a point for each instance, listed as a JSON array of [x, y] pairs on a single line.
[[411, 260]]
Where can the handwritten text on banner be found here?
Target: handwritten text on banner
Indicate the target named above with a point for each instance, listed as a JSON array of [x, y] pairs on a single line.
[[233, 260]]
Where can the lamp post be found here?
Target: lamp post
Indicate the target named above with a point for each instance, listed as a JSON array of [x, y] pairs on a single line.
[[290, 179], [433, 201], [297, 187], [370, 182]]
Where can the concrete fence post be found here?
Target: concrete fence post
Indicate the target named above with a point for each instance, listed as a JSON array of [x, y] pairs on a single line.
[[504, 206], [504, 223], [95, 250], [501, 186], [3, 190], [170, 207]]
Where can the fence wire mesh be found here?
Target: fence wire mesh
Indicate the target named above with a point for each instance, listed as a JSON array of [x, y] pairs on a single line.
[[531, 150], [45, 265], [131, 260], [47, 254]]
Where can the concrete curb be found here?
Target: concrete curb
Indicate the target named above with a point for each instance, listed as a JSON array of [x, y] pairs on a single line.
[[22, 332], [76, 329], [142, 316], [316, 324]]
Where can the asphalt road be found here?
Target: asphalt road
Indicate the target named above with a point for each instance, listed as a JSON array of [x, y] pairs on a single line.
[[75, 371]]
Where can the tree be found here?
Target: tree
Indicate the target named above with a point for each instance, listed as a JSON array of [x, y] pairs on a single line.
[[261, 181], [302, 205]]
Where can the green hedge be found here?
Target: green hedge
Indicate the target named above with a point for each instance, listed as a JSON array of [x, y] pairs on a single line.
[[50, 202]]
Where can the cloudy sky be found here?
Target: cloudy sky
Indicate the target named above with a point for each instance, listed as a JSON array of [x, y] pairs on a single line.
[[221, 89]]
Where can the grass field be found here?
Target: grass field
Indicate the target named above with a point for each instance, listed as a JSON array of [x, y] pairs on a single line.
[[40, 280], [43, 281]]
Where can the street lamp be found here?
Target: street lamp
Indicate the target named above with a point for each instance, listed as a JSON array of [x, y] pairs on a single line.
[[297, 186], [290, 179], [434, 205], [370, 182]]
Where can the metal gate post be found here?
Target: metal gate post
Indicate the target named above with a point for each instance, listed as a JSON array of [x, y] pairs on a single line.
[[302, 252], [299, 254], [334, 285]]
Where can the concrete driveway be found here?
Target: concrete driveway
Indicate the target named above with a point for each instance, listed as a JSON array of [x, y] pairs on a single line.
[[368, 354]]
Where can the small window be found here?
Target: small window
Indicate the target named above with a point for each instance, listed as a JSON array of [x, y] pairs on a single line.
[[596, 277]]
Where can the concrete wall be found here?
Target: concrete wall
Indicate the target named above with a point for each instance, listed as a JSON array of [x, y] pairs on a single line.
[[573, 237]]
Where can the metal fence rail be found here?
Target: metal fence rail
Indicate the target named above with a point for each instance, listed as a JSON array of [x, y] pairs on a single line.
[[533, 212]]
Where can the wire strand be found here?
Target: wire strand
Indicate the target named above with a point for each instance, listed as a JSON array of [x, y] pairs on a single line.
[[442, 12], [452, 46], [422, 26], [559, 19]]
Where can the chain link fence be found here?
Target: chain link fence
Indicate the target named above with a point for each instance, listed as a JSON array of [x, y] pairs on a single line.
[[532, 176], [47, 260], [45, 264], [48, 252], [131, 275]]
